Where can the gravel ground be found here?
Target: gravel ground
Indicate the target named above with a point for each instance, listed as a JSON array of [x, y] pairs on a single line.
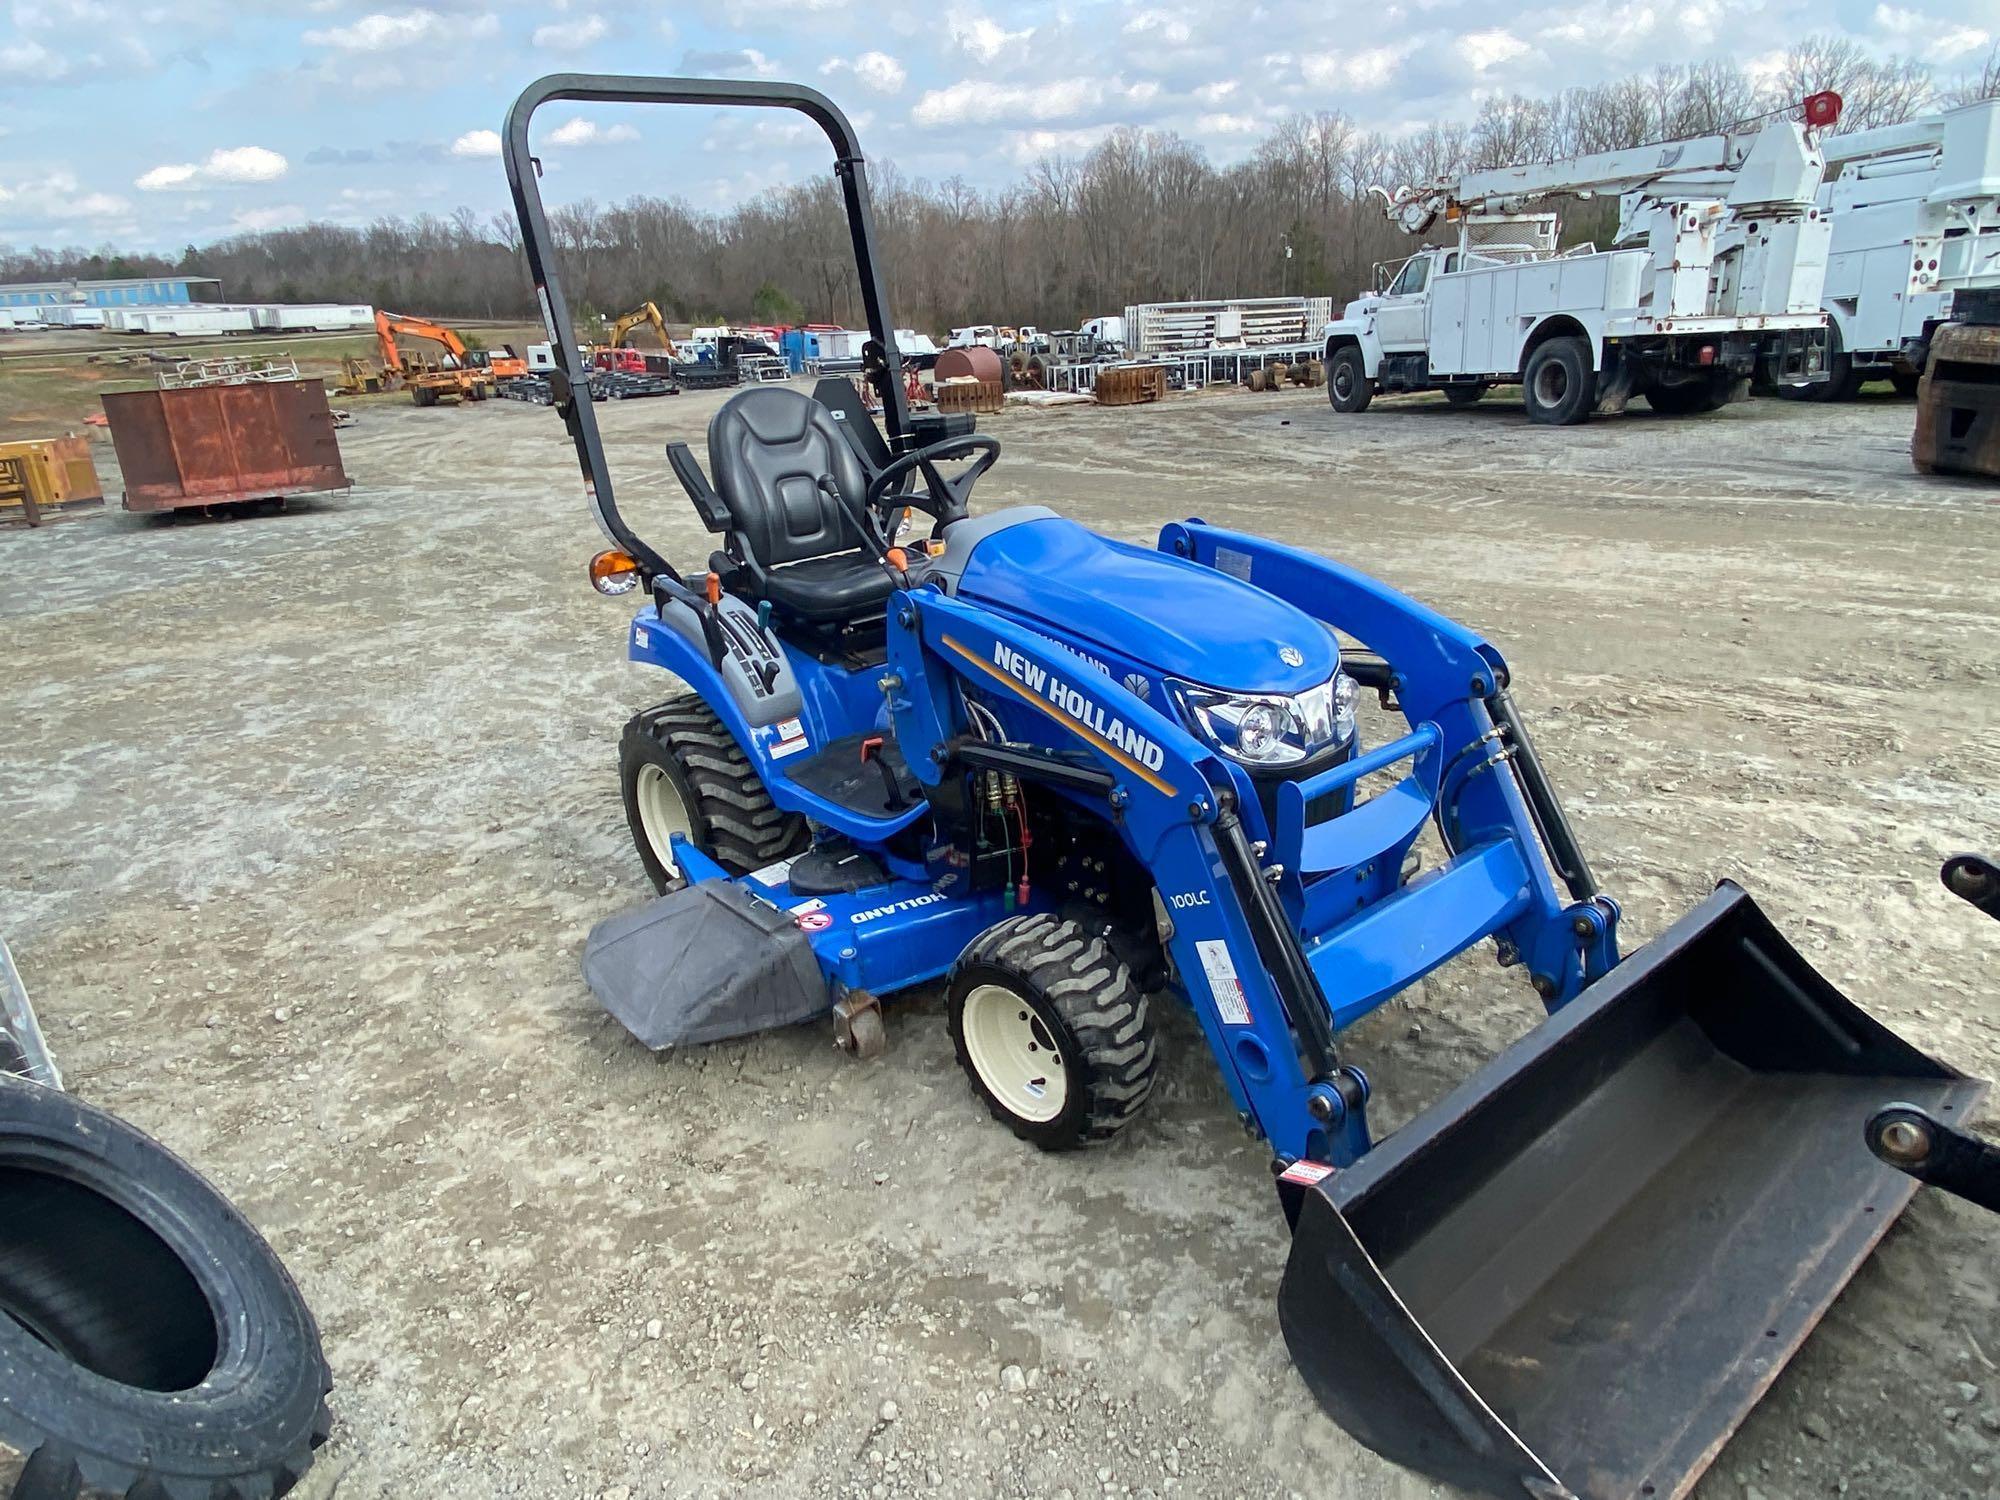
[[307, 815]]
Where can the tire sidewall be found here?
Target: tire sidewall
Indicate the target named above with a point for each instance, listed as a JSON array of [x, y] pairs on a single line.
[[1347, 362], [637, 749], [1065, 1129], [257, 1408], [1578, 395]]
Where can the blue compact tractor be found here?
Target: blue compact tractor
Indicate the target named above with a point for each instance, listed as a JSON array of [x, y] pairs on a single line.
[[1077, 780]]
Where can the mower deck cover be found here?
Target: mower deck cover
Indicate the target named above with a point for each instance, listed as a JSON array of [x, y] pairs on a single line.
[[702, 964], [1576, 1274]]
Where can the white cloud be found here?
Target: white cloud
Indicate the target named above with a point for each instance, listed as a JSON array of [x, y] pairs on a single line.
[[32, 59], [1225, 124], [1215, 93], [983, 38], [876, 70], [278, 216], [975, 102], [100, 206], [1363, 70], [1143, 92], [477, 143], [582, 132], [1026, 147], [571, 36], [411, 28], [1483, 50], [1170, 28], [1928, 36], [226, 164]]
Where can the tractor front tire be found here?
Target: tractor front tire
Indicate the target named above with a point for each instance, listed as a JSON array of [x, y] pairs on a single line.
[[1051, 1030], [682, 771], [1558, 387], [1347, 384]]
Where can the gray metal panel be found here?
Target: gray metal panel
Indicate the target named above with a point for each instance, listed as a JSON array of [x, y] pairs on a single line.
[[748, 646]]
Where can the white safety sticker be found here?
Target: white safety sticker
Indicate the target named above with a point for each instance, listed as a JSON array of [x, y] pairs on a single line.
[[776, 874], [811, 904], [791, 738], [1306, 1173], [1235, 564], [1230, 1001]]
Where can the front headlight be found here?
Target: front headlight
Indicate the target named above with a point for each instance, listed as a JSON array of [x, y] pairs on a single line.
[[1264, 730]]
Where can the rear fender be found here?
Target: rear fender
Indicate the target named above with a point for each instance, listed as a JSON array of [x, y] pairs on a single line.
[[1443, 675]]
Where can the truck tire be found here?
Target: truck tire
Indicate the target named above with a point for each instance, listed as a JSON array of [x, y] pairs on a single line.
[[682, 771], [1690, 397], [1558, 387], [1905, 381], [1843, 381], [151, 1344], [1466, 395], [1051, 1030], [1347, 384]]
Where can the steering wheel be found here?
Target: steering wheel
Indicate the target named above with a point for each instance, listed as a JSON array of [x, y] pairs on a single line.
[[942, 499]]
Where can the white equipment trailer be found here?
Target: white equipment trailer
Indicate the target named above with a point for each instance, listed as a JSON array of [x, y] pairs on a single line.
[[1699, 292], [1916, 217]]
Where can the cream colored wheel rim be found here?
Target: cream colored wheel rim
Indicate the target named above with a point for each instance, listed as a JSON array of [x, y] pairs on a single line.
[[1014, 1054], [662, 814]]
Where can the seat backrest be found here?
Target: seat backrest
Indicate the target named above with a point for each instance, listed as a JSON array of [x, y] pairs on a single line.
[[767, 450]]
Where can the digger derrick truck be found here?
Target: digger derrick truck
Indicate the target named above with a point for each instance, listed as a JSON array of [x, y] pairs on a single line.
[[1916, 218], [1698, 294], [1078, 780]]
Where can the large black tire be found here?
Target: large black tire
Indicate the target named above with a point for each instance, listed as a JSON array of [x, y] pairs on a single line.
[[1559, 387], [1040, 986], [151, 1344], [1704, 393], [1905, 381], [1347, 385], [1466, 395], [683, 747], [1843, 381]]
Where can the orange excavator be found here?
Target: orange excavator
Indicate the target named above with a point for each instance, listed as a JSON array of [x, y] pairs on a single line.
[[618, 355], [460, 375]]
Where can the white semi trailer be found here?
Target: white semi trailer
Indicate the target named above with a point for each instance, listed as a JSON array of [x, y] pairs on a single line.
[[1916, 217], [1698, 293]]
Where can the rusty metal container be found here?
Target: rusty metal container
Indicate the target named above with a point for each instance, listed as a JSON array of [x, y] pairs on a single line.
[[224, 444], [45, 477], [1131, 385], [1958, 403]]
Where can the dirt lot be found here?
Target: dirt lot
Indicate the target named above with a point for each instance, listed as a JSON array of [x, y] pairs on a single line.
[[307, 816]]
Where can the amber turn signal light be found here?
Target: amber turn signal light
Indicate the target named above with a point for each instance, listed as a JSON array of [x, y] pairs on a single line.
[[614, 572]]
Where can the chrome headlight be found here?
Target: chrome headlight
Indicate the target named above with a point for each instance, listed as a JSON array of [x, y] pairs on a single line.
[[1264, 730]]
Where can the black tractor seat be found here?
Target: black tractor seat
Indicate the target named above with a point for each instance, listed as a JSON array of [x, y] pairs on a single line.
[[788, 541]]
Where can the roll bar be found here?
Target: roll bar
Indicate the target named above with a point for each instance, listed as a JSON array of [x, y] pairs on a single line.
[[523, 180]]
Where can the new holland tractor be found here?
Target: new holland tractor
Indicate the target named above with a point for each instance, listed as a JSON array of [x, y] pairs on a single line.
[[1077, 780]]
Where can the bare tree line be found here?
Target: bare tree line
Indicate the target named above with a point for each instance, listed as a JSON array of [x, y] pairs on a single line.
[[1143, 216]]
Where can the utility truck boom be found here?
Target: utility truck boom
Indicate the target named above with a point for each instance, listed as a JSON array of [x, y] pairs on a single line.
[[1715, 276]]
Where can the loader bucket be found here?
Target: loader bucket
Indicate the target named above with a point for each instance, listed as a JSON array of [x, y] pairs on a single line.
[[1577, 1273]]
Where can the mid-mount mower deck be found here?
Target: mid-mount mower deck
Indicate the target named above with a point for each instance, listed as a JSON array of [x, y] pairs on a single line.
[[1071, 776]]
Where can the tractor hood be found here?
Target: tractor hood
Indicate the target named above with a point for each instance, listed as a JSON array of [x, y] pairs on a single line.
[[1156, 610]]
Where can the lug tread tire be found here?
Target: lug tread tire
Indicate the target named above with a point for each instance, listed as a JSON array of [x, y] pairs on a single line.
[[1580, 392], [733, 818], [248, 1431], [1075, 974]]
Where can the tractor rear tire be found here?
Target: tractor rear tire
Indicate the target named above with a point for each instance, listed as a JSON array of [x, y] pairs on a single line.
[[1052, 1032], [682, 771], [1466, 395], [1347, 385], [151, 1344], [1558, 387]]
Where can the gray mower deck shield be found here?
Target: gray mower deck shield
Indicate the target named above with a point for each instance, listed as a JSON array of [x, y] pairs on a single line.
[[1577, 1273], [703, 963]]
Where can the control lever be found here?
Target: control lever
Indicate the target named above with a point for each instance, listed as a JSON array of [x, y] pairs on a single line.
[[892, 793], [711, 621]]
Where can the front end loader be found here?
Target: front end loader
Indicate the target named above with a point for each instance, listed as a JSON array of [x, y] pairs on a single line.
[[1075, 779]]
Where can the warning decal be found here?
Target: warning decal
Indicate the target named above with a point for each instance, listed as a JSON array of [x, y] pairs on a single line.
[[1235, 564], [1230, 1001], [1305, 1173], [776, 874], [813, 921], [791, 738]]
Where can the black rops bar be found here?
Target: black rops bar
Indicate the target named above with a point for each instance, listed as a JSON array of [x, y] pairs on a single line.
[[537, 243]]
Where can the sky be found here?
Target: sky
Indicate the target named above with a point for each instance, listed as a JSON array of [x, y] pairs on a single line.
[[152, 124]]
